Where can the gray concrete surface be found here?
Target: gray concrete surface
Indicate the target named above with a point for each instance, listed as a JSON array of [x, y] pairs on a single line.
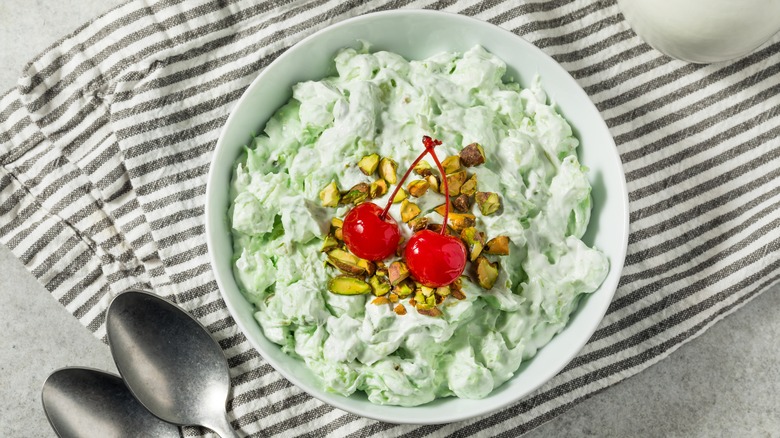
[[725, 383]]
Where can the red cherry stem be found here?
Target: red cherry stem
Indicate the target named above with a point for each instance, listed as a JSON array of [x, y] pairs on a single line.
[[444, 181], [429, 145]]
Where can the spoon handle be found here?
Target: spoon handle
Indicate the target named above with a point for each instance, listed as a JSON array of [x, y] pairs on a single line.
[[222, 427]]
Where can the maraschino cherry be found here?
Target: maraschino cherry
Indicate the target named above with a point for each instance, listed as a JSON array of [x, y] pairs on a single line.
[[369, 234], [433, 259], [369, 231]]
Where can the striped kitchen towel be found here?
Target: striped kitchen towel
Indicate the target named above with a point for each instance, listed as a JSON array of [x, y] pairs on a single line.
[[106, 144]]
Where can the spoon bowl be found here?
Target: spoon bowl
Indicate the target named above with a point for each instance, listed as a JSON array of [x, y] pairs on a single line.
[[169, 361], [84, 402]]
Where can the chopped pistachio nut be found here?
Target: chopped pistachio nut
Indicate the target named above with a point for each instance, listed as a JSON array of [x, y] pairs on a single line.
[[347, 262], [387, 170], [458, 221], [426, 291], [420, 300], [403, 289], [409, 210], [419, 223], [440, 209], [475, 241], [398, 272], [379, 285], [356, 195], [377, 188], [458, 294], [345, 285], [368, 266], [455, 181], [472, 155], [498, 246], [417, 187], [380, 300], [400, 309], [412, 302], [436, 228], [368, 164], [399, 250], [400, 196], [433, 311], [488, 202], [433, 182], [470, 186], [330, 195], [451, 164], [423, 168], [487, 273], [443, 291], [393, 298], [336, 222], [339, 234], [462, 203], [329, 243]]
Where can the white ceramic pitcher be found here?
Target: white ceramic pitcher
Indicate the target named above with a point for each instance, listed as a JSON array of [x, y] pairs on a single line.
[[703, 31]]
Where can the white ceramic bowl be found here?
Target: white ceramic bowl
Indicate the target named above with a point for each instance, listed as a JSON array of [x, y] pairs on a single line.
[[416, 35]]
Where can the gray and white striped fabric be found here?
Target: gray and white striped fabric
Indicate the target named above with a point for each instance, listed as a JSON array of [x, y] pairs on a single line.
[[106, 142]]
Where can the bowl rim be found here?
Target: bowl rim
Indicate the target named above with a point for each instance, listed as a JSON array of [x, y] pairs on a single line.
[[616, 264]]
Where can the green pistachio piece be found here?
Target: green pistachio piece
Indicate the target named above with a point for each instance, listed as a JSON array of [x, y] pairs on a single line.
[[400, 196], [347, 262], [487, 273], [488, 202], [377, 188], [387, 170], [451, 164], [356, 195], [379, 285], [397, 272], [474, 240], [472, 155], [470, 186], [455, 181], [418, 187], [433, 182], [329, 243], [423, 168], [462, 203], [458, 221], [368, 164], [403, 289], [419, 223], [442, 291], [498, 246], [345, 285], [330, 196], [409, 211]]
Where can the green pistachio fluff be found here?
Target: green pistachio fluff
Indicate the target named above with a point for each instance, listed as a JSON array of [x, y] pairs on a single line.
[[381, 103]]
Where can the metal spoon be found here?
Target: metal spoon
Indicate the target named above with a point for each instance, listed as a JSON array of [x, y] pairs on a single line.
[[84, 402], [169, 361]]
